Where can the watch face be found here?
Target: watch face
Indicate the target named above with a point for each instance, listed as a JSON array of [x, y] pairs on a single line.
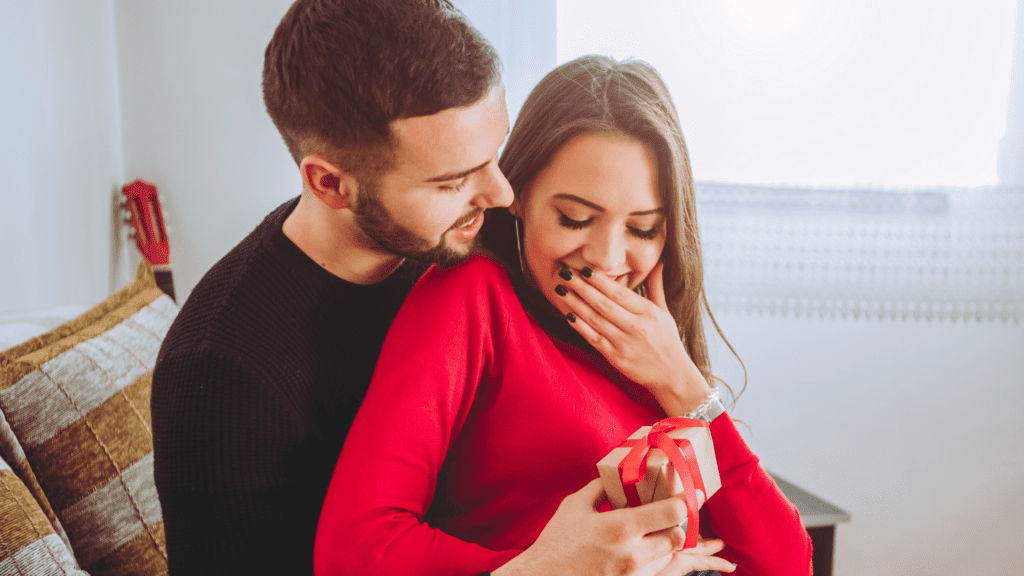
[[713, 411]]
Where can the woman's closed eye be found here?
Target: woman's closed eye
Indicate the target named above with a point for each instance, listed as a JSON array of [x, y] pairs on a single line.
[[573, 224], [641, 233], [650, 234]]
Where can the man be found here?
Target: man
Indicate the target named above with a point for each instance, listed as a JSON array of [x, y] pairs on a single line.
[[394, 113]]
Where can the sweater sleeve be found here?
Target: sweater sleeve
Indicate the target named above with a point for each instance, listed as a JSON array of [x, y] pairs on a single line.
[[229, 506], [761, 529], [440, 348]]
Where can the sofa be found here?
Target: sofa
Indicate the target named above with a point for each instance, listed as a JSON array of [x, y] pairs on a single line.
[[77, 494]]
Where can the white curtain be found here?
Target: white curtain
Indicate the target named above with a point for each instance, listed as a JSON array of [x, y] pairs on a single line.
[[854, 157]]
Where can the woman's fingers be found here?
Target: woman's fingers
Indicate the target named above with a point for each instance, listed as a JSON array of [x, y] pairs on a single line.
[[686, 562], [583, 320], [708, 547], [700, 557], [599, 315], [638, 337], [606, 295], [656, 286]]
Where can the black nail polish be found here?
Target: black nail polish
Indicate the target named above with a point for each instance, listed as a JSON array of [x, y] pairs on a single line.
[[565, 273], [570, 317], [561, 290], [587, 272]]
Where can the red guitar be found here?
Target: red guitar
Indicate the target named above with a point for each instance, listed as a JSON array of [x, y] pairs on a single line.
[[150, 234]]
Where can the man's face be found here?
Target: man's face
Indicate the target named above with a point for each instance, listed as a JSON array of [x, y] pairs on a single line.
[[430, 205]]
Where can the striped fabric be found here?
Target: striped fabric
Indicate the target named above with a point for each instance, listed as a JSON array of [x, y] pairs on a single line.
[[77, 401], [28, 543]]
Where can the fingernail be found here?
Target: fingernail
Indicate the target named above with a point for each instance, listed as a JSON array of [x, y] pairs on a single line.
[[561, 290], [587, 272], [570, 317], [565, 273]]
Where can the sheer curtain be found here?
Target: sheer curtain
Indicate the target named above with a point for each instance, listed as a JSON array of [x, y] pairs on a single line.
[[853, 157]]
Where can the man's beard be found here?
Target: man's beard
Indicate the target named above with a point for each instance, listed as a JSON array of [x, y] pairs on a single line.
[[378, 224]]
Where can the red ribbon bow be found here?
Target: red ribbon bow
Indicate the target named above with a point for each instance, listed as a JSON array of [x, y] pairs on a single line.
[[680, 453]]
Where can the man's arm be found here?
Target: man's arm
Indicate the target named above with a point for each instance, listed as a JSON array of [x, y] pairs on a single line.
[[235, 533], [225, 468]]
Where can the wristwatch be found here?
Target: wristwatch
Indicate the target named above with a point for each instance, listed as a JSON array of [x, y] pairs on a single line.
[[709, 409], [714, 411]]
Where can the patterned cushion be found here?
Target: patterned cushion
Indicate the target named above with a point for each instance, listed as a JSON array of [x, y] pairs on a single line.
[[28, 543], [77, 401]]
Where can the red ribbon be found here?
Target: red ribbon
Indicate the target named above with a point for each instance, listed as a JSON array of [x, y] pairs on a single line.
[[680, 453]]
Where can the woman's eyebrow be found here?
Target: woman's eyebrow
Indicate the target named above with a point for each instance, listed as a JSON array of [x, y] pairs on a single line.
[[647, 212], [599, 208]]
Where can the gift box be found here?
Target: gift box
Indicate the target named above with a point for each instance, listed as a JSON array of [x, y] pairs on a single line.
[[675, 456]]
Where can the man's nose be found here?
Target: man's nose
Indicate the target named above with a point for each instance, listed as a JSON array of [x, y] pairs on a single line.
[[495, 189]]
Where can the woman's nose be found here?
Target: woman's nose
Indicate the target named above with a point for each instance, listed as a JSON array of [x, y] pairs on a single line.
[[605, 251]]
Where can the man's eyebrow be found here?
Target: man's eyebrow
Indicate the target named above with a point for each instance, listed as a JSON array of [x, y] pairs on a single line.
[[599, 208], [457, 175]]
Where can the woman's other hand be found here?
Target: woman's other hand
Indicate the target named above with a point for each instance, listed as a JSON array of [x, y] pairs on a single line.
[[700, 557], [641, 541], [637, 335]]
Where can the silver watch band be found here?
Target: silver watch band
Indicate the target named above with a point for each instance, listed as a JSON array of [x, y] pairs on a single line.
[[714, 411], [710, 408]]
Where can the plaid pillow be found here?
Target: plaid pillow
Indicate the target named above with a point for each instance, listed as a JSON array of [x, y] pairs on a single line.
[[77, 401], [28, 543]]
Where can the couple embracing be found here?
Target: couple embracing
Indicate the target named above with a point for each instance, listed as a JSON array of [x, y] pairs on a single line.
[[326, 403]]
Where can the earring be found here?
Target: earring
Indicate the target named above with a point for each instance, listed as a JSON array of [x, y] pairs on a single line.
[[519, 246]]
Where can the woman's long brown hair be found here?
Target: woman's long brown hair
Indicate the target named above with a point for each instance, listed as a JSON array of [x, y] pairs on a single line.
[[595, 94]]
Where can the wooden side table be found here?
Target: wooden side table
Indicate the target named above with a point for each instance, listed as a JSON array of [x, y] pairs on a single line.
[[820, 518]]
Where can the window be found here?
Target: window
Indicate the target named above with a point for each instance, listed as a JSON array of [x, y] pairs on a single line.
[[847, 152]]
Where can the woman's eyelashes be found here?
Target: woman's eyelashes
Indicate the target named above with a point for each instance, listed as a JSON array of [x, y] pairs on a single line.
[[643, 234], [573, 224]]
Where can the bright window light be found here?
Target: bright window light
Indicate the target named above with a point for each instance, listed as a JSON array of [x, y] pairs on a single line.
[[895, 93]]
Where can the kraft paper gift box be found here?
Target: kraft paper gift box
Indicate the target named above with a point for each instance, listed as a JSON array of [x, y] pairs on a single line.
[[639, 471]]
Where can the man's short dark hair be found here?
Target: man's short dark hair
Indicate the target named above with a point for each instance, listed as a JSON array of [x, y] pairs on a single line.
[[338, 72]]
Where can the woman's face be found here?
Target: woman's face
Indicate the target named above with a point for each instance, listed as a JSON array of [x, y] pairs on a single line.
[[596, 204]]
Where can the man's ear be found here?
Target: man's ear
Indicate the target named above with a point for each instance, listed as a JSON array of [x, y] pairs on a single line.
[[515, 208], [333, 186]]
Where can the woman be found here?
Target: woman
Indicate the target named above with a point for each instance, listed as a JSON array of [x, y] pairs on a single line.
[[503, 381]]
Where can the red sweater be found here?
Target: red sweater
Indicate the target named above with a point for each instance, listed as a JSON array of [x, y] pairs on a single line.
[[477, 424]]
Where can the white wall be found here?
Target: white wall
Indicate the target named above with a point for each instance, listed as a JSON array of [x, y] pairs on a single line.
[[1011, 146], [915, 428], [195, 125], [60, 154], [524, 34]]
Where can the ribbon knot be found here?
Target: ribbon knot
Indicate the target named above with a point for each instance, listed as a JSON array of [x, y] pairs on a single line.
[[684, 461]]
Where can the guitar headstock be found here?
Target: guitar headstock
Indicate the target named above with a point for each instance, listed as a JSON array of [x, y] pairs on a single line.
[[150, 233], [148, 220]]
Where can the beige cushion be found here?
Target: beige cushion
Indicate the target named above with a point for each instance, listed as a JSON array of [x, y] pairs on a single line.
[[77, 401], [28, 543]]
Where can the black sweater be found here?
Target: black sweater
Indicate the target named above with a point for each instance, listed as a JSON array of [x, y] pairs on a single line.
[[254, 390]]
